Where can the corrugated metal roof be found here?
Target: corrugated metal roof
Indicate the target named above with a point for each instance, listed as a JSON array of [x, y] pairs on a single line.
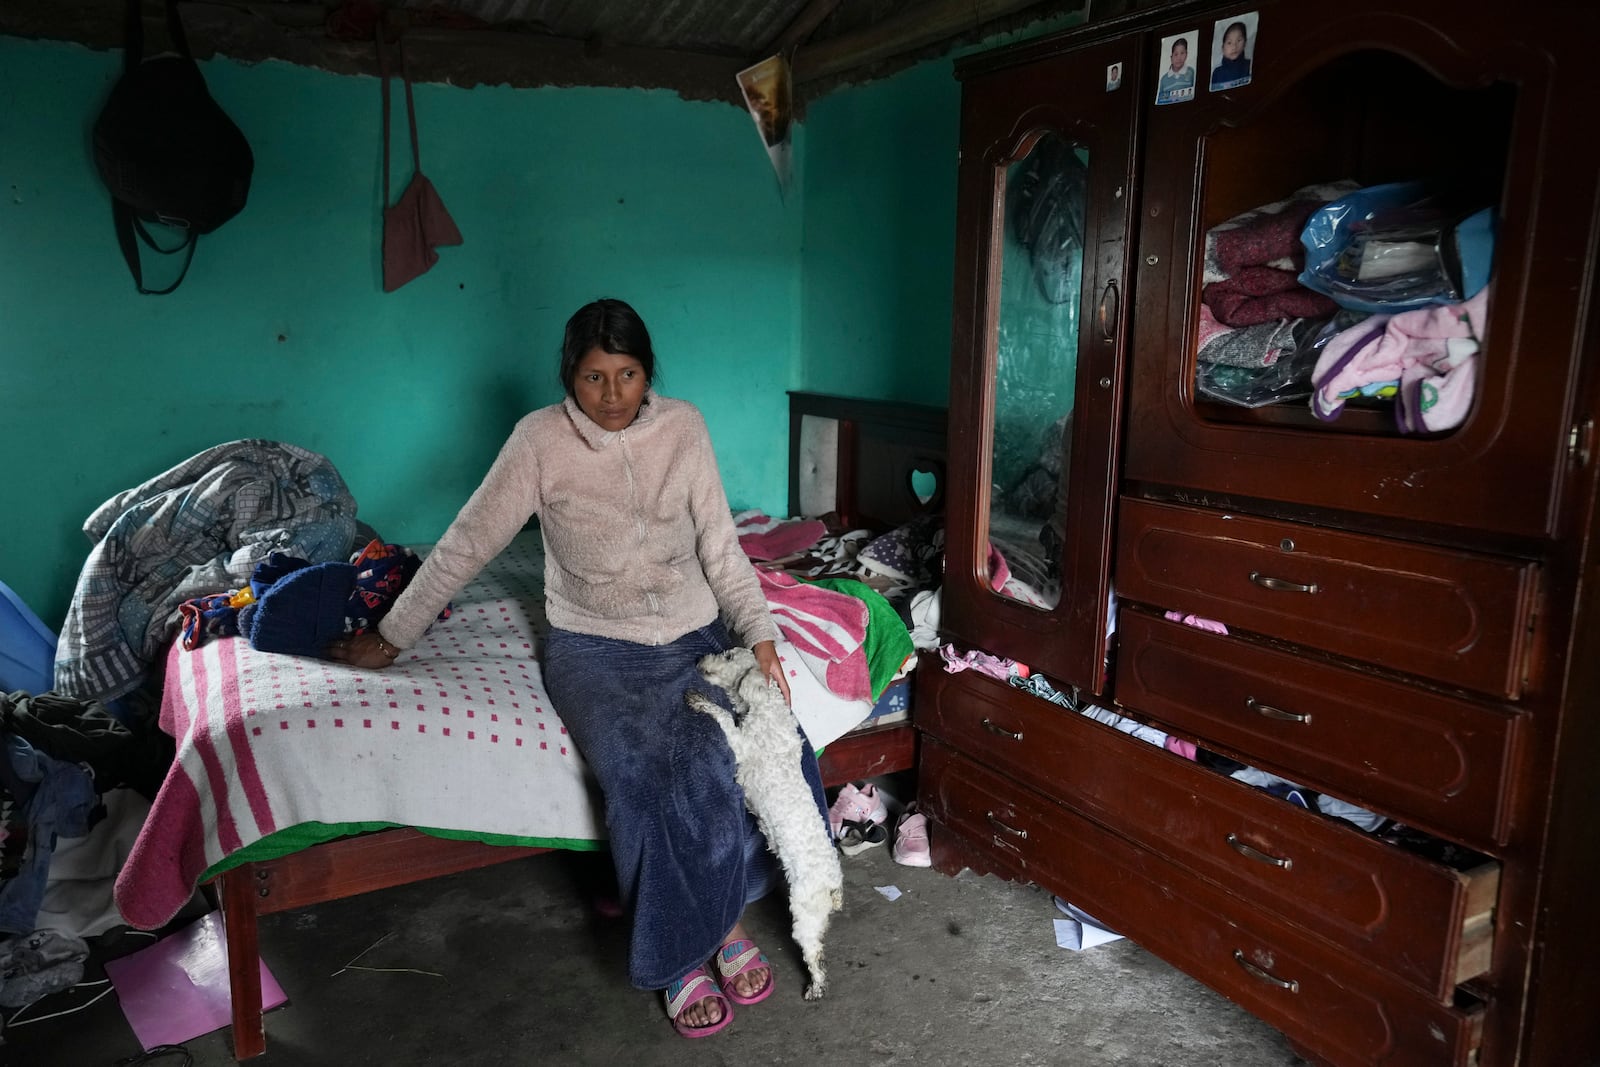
[[716, 27], [691, 46]]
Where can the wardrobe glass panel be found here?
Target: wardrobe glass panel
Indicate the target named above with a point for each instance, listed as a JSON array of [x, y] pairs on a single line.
[[1036, 365], [1347, 252]]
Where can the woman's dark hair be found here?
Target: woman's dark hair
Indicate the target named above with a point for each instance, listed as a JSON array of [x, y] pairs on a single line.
[[1243, 33], [610, 325]]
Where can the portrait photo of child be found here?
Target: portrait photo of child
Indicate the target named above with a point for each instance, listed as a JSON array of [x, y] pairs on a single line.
[[1175, 85], [1113, 77], [1233, 46]]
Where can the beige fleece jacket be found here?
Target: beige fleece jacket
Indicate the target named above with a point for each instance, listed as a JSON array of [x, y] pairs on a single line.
[[639, 540]]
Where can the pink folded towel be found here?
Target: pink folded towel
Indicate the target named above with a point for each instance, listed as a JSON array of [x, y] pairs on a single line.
[[765, 538]]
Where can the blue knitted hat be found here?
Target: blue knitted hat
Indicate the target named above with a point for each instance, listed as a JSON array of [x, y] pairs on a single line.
[[303, 611]]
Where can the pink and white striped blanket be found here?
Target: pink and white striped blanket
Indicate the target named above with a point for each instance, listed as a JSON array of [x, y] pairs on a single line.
[[458, 735], [827, 630]]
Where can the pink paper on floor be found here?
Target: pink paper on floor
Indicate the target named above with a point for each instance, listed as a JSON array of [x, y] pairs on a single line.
[[177, 989]]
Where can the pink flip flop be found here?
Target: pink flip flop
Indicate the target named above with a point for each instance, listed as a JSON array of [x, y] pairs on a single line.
[[737, 957], [689, 990]]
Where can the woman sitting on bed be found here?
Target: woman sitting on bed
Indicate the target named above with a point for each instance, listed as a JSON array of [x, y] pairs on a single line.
[[641, 557]]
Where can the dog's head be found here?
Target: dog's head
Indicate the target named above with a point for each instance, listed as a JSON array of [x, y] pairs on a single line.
[[724, 669]]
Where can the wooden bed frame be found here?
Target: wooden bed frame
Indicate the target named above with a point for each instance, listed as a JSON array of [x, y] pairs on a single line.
[[860, 454]]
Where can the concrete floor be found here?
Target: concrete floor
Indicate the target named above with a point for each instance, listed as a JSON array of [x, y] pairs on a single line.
[[956, 971]]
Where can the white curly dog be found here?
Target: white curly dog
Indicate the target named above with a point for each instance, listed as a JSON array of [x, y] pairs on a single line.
[[766, 746]]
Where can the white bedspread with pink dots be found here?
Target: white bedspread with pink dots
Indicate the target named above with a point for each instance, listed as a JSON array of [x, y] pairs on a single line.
[[457, 735]]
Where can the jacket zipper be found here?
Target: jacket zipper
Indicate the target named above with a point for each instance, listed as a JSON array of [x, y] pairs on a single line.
[[638, 522]]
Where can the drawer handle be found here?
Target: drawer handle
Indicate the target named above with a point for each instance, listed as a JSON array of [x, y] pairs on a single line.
[[1015, 735], [1281, 585], [1256, 854], [1266, 976], [998, 825], [1275, 713]]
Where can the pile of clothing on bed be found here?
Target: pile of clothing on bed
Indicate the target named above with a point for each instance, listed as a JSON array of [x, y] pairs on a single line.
[[853, 607], [83, 756], [252, 538], [192, 532], [896, 573], [297, 607]]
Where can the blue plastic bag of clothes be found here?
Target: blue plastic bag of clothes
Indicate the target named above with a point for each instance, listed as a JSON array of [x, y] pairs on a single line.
[[1394, 247]]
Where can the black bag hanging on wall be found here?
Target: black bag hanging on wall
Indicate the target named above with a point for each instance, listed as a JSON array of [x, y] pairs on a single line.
[[166, 151]]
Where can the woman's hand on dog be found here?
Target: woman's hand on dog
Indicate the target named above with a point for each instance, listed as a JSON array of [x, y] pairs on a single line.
[[767, 659]]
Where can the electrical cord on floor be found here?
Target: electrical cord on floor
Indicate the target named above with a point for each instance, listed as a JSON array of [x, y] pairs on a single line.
[[12, 1022], [15, 1020], [155, 1053]]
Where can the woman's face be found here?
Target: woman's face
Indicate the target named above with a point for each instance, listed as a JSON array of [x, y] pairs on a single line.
[[1180, 57], [609, 387], [1233, 44]]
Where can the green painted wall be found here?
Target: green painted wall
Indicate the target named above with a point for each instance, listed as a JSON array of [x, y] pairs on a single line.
[[282, 330], [877, 263]]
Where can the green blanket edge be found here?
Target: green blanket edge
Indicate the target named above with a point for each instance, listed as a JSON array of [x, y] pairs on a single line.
[[304, 835]]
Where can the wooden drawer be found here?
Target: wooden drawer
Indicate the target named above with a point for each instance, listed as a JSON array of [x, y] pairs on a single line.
[[1435, 762], [1451, 616], [1342, 1008], [1429, 925]]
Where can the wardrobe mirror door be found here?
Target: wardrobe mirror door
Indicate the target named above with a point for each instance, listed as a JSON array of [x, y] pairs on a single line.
[[1036, 365]]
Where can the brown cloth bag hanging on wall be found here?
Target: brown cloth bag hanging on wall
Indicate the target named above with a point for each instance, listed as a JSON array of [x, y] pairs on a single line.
[[418, 223]]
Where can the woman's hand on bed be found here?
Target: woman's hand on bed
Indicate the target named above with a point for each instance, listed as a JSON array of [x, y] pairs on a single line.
[[369, 651], [767, 659]]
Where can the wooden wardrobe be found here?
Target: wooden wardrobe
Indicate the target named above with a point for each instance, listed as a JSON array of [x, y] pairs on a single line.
[[1411, 617]]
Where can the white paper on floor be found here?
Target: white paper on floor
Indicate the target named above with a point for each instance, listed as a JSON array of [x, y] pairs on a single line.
[[1082, 930], [889, 892]]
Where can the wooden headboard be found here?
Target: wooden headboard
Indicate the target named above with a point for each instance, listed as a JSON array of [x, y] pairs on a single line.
[[877, 463]]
